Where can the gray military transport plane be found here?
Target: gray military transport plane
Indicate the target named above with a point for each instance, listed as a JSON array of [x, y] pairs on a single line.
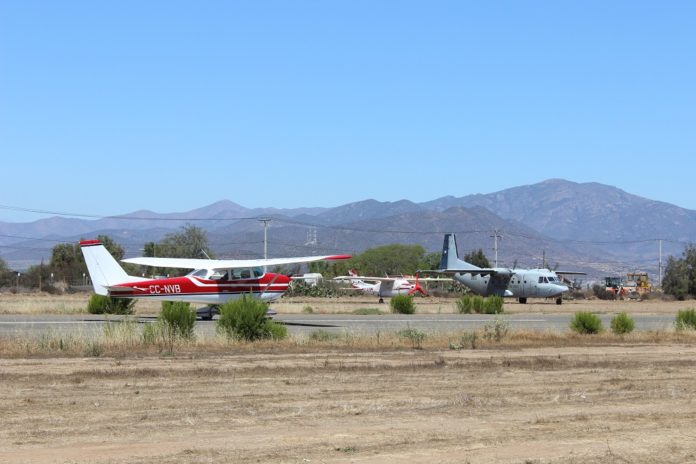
[[501, 281]]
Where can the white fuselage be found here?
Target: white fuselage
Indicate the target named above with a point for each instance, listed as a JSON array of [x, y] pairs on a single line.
[[384, 289]]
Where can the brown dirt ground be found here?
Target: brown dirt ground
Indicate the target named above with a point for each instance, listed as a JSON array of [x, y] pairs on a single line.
[[604, 404], [613, 403]]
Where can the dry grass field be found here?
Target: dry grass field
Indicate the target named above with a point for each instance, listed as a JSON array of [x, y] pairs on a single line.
[[598, 404], [75, 303], [530, 399]]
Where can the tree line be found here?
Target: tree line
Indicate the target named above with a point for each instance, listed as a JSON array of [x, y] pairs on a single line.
[[67, 265]]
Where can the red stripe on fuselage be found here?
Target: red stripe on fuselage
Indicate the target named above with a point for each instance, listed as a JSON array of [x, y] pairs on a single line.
[[187, 286]]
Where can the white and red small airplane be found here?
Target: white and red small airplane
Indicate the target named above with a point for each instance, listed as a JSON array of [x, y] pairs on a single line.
[[211, 281], [384, 287]]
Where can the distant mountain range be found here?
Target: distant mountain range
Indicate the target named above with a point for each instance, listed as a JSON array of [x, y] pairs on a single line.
[[587, 226]]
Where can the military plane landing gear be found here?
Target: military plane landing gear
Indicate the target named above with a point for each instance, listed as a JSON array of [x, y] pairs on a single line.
[[559, 300], [522, 300]]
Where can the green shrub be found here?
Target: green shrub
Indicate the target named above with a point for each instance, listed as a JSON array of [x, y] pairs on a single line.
[[245, 319], [276, 331], [622, 323], [493, 304], [178, 319], [308, 309], [586, 323], [415, 336], [464, 305], [478, 304], [322, 289], [100, 304], [402, 304], [686, 319]]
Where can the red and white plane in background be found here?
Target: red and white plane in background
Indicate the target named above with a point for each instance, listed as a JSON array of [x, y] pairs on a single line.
[[385, 287], [211, 281]]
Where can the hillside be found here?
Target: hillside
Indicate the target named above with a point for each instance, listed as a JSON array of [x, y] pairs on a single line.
[[580, 225]]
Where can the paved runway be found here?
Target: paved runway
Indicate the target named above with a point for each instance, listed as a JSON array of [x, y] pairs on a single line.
[[41, 325]]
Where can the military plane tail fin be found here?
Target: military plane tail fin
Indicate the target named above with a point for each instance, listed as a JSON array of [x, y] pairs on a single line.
[[450, 258]]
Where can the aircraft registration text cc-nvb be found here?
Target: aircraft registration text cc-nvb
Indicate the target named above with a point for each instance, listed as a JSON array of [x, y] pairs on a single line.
[[505, 282], [211, 282]]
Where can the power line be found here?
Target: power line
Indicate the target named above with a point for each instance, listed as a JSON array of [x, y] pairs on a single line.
[[120, 217]]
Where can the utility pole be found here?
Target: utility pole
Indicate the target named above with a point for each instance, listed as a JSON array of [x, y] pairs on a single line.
[[659, 263], [265, 238], [495, 238]]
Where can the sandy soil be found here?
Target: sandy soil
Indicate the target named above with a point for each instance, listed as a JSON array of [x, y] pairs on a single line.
[[563, 405]]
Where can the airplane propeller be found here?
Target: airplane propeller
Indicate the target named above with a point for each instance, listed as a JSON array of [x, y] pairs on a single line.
[[417, 288]]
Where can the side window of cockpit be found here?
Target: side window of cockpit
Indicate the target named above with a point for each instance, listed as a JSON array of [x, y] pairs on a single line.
[[201, 273], [245, 274], [541, 279], [258, 272], [219, 275]]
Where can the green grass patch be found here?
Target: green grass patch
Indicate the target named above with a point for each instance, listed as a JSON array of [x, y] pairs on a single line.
[[367, 312]]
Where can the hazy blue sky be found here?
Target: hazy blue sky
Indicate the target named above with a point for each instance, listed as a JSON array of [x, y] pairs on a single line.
[[109, 107]]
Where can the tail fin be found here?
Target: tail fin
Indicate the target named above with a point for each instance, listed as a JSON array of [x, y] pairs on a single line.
[[102, 267], [450, 258]]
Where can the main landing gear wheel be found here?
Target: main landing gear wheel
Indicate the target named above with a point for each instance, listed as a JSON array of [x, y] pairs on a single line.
[[522, 300], [559, 301]]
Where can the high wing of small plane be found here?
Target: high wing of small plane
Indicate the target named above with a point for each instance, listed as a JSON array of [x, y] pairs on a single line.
[[505, 282], [385, 287], [211, 281]]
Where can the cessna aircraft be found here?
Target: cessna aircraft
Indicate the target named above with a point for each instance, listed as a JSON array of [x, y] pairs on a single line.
[[384, 286], [506, 282], [211, 282]]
